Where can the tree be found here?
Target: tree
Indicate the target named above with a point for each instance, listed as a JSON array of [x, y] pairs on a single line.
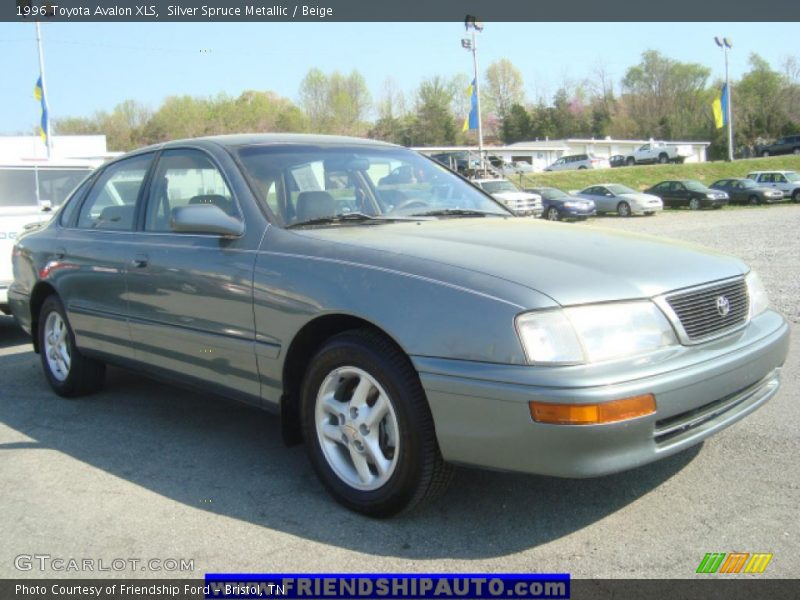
[[516, 126], [314, 99], [503, 87], [433, 121], [760, 102]]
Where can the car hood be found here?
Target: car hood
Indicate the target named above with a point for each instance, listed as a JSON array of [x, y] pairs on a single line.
[[515, 196], [571, 265]]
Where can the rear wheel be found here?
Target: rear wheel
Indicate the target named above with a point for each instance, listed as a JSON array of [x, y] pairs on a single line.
[[552, 214], [694, 204], [765, 153], [69, 372], [754, 200], [796, 196], [368, 428], [624, 209]]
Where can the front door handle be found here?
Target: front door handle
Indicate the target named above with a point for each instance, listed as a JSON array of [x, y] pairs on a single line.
[[59, 253], [140, 261]]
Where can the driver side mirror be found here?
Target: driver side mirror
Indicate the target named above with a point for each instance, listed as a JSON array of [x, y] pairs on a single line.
[[205, 218]]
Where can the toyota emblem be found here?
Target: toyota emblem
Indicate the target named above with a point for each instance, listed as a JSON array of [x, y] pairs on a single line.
[[723, 306]]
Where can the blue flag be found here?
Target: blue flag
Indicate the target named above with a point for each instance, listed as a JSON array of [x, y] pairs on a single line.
[[44, 125], [471, 122]]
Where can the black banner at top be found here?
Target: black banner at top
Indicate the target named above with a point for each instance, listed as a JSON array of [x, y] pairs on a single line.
[[395, 10]]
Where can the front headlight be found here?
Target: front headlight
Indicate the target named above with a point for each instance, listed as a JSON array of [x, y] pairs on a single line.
[[593, 333], [758, 294]]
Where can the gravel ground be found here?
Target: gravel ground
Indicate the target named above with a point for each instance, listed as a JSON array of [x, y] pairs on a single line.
[[142, 470]]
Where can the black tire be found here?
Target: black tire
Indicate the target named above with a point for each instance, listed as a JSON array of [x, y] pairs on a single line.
[[84, 375], [765, 153], [582, 168], [420, 474], [551, 214], [796, 196], [630, 161], [754, 201], [695, 204], [796, 150], [663, 158], [624, 209]]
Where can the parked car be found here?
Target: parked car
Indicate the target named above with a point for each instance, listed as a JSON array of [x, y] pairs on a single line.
[[579, 161], [558, 205], [658, 152], [460, 161], [788, 144], [522, 204], [747, 191], [620, 199], [618, 160], [394, 342], [29, 193], [787, 182], [688, 192]]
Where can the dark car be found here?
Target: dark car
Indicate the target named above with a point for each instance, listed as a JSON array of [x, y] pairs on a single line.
[[617, 160], [788, 144], [688, 192], [747, 191], [459, 161], [559, 205]]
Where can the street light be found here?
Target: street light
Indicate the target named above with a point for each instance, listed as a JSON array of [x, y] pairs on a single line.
[[472, 25], [725, 44]]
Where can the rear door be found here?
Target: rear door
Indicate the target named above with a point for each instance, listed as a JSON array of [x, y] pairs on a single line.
[[92, 253], [191, 295]]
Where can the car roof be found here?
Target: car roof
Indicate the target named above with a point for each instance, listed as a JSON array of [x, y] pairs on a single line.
[[260, 139], [764, 172]]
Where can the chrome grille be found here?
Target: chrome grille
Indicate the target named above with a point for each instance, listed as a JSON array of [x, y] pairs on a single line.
[[526, 206], [699, 313]]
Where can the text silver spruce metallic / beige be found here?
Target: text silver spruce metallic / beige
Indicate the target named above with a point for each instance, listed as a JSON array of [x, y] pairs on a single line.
[[399, 325]]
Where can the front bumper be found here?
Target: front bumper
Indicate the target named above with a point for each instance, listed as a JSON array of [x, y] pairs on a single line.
[[482, 417], [641, 209], [713, 202]]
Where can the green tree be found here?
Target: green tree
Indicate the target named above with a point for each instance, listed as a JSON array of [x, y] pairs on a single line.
[[516, 126], [503, 87]]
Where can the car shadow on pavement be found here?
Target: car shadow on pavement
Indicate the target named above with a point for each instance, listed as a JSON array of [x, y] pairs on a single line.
[[10, 333], [219, 456]]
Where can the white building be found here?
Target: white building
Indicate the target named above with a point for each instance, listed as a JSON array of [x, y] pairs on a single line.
[[543, 153], [23, 148]]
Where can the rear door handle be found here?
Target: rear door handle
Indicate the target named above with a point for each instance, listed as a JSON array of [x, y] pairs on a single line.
[[140, 261]]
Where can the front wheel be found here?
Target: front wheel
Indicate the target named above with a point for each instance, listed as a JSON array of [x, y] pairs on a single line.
[[663, 159], [765, 154], [624, 209], [694, 204], [754, 201], [368, 428], [552, 214], [796, 196], [68, 372]]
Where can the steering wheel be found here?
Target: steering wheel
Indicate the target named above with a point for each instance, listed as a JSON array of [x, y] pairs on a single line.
[[410, 203]]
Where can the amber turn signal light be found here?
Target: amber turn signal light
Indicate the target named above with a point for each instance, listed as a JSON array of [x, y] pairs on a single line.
[[593, 414]]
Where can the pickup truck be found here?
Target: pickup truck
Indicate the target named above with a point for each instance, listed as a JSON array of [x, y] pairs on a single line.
[[658, 153]]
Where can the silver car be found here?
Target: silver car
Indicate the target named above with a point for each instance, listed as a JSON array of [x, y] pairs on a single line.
[[622, 200], [396, 329]]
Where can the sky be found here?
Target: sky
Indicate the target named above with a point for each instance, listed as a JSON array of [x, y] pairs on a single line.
[[94, 66]]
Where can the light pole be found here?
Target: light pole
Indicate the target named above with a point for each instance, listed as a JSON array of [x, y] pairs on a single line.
[[725, 44], [471, 44]]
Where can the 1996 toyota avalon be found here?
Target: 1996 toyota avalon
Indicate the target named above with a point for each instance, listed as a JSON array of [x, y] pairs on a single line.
[[397, 328]]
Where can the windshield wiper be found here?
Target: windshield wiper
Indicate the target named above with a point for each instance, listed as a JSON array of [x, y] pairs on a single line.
[[351, 217], [456, 212]]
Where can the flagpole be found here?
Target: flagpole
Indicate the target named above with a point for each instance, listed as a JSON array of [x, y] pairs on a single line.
[[729, 107], [478, 96], [49, 142]]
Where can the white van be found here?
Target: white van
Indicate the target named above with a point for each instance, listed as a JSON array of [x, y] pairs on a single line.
[[30, 192]]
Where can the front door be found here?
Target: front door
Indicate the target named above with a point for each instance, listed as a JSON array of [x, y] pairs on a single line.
[[191, 295]]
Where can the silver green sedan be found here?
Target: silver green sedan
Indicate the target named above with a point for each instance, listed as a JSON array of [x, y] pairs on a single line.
[[397, 327]]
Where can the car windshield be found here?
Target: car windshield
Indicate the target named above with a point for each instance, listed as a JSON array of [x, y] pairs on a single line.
[[553, 194], [320, 183], [620, 189], [694, 186], [501, 185]]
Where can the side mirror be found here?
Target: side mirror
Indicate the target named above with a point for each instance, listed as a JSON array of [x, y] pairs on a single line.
[[45, 205], [205, 218]]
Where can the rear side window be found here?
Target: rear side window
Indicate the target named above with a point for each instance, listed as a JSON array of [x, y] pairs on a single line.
[[111, 203], [185, 177], [74, 201]]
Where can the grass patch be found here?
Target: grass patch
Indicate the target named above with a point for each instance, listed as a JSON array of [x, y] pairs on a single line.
[[642, 177]]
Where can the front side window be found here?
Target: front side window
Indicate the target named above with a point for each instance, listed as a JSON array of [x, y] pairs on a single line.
[[111, 203], [308, 183], [185, 177]]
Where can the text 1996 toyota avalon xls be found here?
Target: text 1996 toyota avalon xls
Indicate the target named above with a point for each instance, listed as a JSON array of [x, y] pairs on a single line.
[[397, 328]]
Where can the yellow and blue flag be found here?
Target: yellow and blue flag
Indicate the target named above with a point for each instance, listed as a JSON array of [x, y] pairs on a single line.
[[44, 125], [471, 121], [720, 108]]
